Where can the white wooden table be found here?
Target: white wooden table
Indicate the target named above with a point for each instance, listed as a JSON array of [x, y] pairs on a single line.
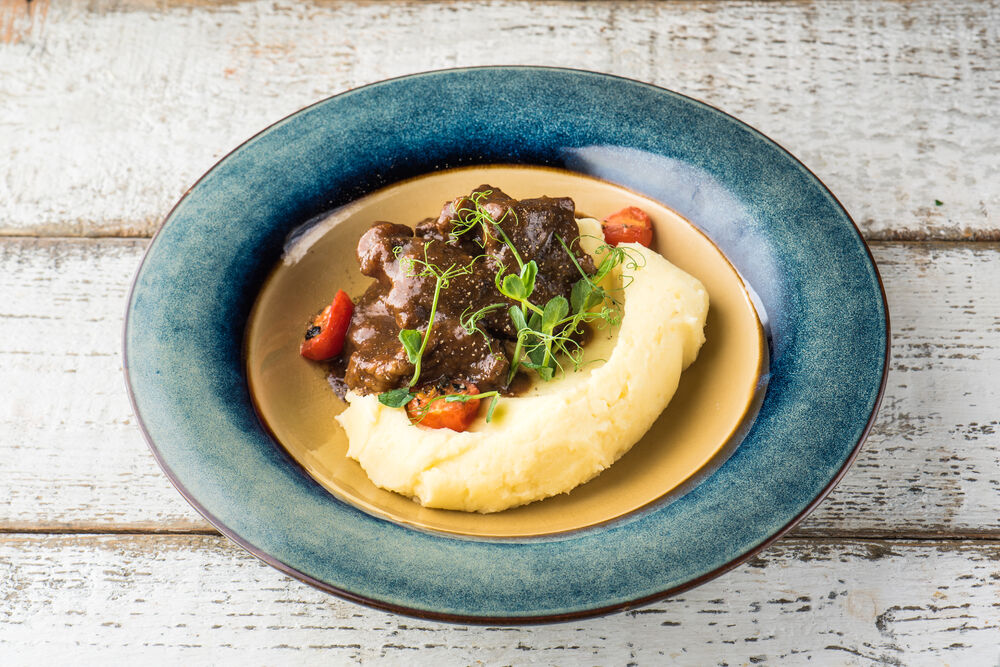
[[110, 109]]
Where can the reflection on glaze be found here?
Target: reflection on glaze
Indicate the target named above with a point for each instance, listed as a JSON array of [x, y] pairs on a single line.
[[702, 199]]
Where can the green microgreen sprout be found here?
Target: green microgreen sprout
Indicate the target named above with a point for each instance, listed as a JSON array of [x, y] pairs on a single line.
[[463, 398], [455, 398], [546, 333], [415, 343], [396, 398], [470, 320], [466, 219]]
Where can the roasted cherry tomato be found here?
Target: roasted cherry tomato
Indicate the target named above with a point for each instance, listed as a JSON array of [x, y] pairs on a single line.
[[325, 338], [429, 409], [629, 225]]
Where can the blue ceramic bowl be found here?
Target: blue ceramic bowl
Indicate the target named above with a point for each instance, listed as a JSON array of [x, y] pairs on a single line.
[[785, 232]]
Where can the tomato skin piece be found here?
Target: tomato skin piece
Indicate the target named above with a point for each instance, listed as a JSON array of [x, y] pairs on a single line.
[[430, 410], [629, 225], [332, 323]]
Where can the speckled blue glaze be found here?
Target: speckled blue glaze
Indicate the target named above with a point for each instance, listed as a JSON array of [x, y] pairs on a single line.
[[784, 231]]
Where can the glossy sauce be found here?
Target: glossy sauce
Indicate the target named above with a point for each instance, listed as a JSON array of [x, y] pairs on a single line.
[[403, 291], [714, 404]]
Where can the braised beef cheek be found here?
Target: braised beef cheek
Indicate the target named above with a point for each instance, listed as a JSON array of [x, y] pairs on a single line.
[[374, 361]]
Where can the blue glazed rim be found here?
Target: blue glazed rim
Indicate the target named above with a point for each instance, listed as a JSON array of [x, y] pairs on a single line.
[[185, 377]]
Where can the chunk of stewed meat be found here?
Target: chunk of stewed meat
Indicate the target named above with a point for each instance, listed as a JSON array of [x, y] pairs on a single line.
[[402, 294]]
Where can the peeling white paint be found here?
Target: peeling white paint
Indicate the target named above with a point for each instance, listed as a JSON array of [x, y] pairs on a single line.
[[930, 466], [107, 595], [108, 115]]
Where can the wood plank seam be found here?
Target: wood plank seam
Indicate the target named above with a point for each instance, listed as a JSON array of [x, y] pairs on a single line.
[[930, 467], [825, 536], [891, 104]]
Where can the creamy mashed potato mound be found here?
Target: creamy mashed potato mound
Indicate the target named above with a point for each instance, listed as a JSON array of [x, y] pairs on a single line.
[[551, 440]]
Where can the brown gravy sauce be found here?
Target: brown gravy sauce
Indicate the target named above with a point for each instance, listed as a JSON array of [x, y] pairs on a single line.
[[401, 295]]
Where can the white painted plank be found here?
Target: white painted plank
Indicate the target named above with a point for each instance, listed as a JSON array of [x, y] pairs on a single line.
[[933, 456], [109, 111], [73, 457], [201, 600], [69, 447]]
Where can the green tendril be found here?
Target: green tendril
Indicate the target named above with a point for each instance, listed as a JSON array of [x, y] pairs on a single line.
[[546, 333], [416, 268], [422, 411]]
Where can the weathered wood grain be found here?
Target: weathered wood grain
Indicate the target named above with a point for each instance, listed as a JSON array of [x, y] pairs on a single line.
[[109, 110], [170, 598], [935, 450], [73, 457]]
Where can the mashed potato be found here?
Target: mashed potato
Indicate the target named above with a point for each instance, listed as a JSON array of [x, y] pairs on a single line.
[[552, 440]]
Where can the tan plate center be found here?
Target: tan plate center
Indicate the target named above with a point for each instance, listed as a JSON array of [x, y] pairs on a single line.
[[697, 431]]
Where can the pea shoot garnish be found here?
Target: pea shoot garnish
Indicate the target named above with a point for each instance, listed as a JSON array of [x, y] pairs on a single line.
[[415, 343], [547, 334]]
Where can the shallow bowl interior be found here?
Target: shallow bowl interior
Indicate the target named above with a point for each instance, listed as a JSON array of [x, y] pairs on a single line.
[[786, 234], [711, 411]]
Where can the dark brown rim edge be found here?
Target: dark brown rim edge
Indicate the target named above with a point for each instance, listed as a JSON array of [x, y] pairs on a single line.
[[509, 620]]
